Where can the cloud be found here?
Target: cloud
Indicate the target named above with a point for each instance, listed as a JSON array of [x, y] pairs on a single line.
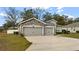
[[3, 14], [59, 10], [40, 7], [70, 16]]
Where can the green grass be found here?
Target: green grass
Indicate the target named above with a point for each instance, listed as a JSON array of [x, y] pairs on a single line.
[[13, 43], [73, 35]]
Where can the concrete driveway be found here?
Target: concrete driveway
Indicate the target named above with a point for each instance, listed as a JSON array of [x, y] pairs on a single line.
[[52, 43]]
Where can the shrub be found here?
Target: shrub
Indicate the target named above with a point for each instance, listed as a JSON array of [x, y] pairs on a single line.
[[68, 32], [65, 32], [16, 33], [1, 30], [77, 31], [22, 35], [58, 32]]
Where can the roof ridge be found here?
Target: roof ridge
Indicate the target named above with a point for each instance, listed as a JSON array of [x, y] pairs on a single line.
[[76, 24], [31, 19]]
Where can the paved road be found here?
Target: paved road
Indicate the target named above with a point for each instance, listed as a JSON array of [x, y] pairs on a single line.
[[52, 43]]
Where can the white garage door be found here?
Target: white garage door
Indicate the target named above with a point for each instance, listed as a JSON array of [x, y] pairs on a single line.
[[30, 31], [49, 30]]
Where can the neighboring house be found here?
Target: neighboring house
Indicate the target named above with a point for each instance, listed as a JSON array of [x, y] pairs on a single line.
[[11, 30], [34, 27], [71, 27]]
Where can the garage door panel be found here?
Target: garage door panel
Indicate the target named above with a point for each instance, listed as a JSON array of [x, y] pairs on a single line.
[[30, 31], [49, 31]]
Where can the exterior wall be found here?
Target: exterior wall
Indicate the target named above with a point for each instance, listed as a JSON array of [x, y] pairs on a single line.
[[20, 29], [43, 28], [54, 27], [72, 30], [76, 28], [11, 31], [54, 23]]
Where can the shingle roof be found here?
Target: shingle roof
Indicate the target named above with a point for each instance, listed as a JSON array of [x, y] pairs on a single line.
[[31, 19], [48, 23], [72, 25]]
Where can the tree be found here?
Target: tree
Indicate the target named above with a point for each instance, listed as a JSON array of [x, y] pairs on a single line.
[[26, 14], [47, 16], [56, 16], [35, 12], [76, 19], [60, 19], [70, 20], [11, 17], [38, 12], [7, 25], [65, 18]]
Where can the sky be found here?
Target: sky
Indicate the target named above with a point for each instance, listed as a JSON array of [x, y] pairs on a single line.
[[69, 11]]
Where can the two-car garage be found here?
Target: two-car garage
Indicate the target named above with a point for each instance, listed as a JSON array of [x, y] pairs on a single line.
[[35, 27], [38, 31]]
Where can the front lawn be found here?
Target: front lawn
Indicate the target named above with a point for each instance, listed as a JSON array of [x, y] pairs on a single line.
[[73, 35], [13, 43]]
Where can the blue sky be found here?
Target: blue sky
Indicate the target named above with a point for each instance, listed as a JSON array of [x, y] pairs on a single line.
[[70, 11]]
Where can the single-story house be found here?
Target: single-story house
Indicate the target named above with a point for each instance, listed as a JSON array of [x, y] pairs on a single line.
[[34, 27], [71, 27], [11, 30]]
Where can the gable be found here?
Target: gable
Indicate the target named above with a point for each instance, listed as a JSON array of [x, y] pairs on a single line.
[[72, 25], [33, 22], [51, 22]]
